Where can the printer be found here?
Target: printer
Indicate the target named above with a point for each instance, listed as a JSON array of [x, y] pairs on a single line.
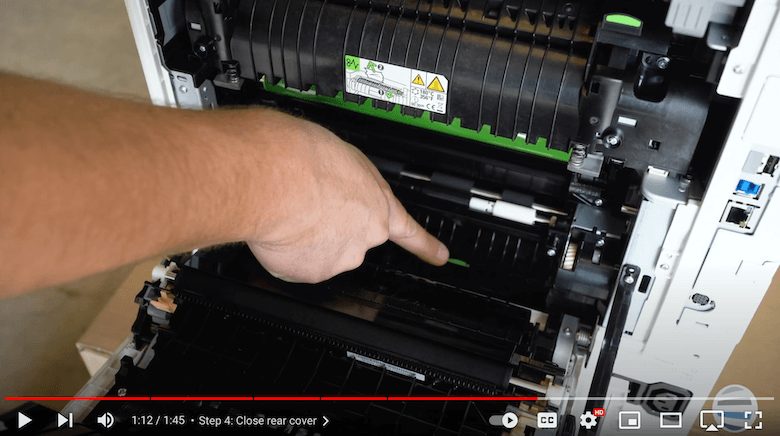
[[601, 171]]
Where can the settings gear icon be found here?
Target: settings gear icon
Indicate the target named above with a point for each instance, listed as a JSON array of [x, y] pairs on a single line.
[[588, 420]]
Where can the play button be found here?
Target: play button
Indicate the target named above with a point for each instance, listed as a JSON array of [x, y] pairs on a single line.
[[509, 420], [23, 420]]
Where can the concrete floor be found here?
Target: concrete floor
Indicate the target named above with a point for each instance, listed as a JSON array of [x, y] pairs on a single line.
[[87, 44]]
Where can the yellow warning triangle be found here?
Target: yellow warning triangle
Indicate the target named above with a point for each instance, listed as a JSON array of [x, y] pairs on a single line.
[[418, 81], [436, 85]]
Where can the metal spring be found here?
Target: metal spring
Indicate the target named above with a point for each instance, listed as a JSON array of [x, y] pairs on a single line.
[[583, 338], [231, 71], [578, 155], [232, 75]]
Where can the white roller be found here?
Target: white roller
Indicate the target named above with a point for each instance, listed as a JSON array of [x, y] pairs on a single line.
[[480, 205], [502, 209], [514, 212]]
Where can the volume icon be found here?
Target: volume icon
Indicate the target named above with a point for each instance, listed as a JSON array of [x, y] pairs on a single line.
[[106, 420]]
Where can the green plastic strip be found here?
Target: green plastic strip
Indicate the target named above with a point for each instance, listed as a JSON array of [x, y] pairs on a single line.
[[458, 262], [625, 20], [425, 122]]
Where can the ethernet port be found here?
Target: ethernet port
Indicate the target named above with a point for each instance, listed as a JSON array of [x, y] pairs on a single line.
[[768, 165], [738, 214]]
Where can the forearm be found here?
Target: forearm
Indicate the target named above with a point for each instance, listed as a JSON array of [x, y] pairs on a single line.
[[91, 183], [88, 183]]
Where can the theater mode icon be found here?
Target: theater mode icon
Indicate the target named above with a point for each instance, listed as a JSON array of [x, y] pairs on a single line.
[[671, 420]]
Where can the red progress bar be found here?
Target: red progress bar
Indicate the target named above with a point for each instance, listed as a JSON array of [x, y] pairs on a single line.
[[74, 398], [201, 398], [462, 398], [287, 398], [354, 398]]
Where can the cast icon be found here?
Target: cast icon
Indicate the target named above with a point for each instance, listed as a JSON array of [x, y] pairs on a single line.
[[718, 416]]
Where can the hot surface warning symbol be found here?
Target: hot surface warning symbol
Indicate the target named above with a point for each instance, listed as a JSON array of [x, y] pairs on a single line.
[[396, 84], [436, 85]]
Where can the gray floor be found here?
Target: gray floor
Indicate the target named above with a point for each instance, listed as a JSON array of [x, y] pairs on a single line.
[[89, 44]]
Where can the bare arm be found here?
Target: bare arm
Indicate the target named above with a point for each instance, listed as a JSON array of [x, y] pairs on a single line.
[[89, 182]]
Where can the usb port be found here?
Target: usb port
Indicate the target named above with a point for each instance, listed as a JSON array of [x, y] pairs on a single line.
[[738, 214], [768, 165], [748, 189]]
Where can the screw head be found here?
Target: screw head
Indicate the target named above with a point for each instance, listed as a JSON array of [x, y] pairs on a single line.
[[121, 392], [594, 120], [551, 252], [629, 279], [663, 62], [665, 267], [739, 69], [599, 202], [183, 89], [612, 140], [684, 184], [600, 242], [567, 331]]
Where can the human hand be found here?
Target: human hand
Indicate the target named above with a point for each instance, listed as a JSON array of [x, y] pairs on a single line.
[[334, 206], [82, 165]]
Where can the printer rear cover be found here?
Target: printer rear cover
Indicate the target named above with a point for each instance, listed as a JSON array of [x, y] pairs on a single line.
[[601, 171]]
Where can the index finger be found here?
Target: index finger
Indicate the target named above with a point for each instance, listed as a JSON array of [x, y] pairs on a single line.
[[403, 229], [411, 236]]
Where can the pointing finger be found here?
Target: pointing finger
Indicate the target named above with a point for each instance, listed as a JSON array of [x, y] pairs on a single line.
[[410, 235]]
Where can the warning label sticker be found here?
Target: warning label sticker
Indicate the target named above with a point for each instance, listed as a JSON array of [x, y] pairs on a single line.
[[395, 84]]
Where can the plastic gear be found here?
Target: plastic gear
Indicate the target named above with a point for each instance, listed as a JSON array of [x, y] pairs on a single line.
[[588, 420]]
